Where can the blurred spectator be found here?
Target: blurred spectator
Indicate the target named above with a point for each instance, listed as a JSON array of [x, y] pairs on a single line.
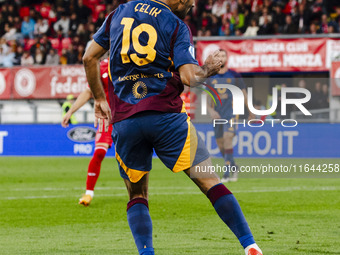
[[265, 13], [71, 55], [27, 27], [52, 58], [289, 27], [227, 28], [303, 18], [215, 25], [27, 59], [209, 6], [18, 54], [63, 57], [237, 20], [219, 8], [101, 19], [83, 12], [80, 54], [41, 27], [62, 25], [45, 44], [10, 32], [73, 25], [39, 57], [278, 19], [252, 30], [190, 24], [204, 25], [266, 28], [289, 8], [313, 29]]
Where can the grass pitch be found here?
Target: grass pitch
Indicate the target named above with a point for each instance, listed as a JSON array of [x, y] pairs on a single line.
[[39, 213]]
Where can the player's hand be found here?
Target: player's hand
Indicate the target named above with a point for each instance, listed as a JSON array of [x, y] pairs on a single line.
[[102, 114], [66, 119], [213, 64], [215, 115]]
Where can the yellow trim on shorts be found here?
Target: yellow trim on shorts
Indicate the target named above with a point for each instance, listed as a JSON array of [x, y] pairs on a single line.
[[134, 175], [187, 156], [183, 108]]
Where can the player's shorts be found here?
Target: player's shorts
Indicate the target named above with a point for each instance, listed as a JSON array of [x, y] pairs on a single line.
[[221, 128], [104, 137], [171, 135]]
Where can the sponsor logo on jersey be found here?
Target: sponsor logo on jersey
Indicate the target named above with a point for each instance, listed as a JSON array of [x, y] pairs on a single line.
[[82, 134], [139, 90]]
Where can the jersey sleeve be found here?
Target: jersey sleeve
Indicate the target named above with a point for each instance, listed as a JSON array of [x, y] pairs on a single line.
[[184, 50], [102, 36]]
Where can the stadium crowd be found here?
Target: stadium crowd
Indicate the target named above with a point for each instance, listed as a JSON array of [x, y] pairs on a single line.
[[57, 32]]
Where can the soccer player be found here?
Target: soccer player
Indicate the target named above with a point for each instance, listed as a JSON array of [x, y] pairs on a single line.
[[225, 133], [103, 138], [190, 100], [151, 57]]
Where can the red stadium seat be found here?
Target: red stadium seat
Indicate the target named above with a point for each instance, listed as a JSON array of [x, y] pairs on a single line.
[[24, 11], [29, 43], [55, 43], [66, 43], [98, 9]]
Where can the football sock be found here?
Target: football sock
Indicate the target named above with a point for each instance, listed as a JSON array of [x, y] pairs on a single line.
[[140, 224], [230, 212], [229, 156], [229, 160], [94, 168]]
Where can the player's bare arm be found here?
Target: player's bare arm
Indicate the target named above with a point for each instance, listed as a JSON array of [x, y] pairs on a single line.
[[91, 63], [192, 75], [81, 100]]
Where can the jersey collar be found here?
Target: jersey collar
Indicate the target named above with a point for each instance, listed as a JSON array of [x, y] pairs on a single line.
[[161, 3]]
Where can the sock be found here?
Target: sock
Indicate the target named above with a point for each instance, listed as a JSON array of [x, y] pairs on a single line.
[[230, 212], [229, 156], [229, 160], [94, 167], [90, 192], [140, 224]]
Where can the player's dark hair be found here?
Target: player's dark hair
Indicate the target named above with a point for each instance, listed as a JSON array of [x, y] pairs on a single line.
[[222, 50]]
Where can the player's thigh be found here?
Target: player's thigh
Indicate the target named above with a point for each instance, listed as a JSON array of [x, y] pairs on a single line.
[[203, 176], [138, 189], [177, 143], [133, 150]]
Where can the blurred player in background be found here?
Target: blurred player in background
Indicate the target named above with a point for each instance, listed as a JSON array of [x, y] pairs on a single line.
[[103, 138], [66, 107], [151, 57], [190, 100], [225, 133]]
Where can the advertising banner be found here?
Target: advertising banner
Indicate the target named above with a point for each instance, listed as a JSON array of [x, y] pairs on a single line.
[[5, 83], [302, 141], [53, 82], [335, 78], [275, 55]]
